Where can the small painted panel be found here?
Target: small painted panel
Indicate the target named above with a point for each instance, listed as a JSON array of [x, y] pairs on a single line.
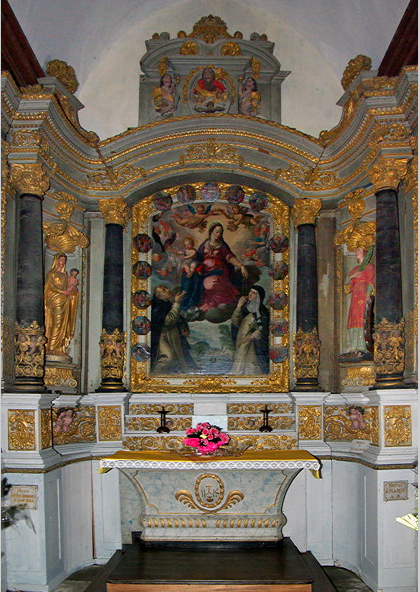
[[140, 352], [235, 194], [142, 270], [141, 325], [186, 194], [279, 270], [278, 327], [278, 243], [142, 299], [143, 243], [210, 192], [278, 300], [258, 201], [162, 201], [278, 354]]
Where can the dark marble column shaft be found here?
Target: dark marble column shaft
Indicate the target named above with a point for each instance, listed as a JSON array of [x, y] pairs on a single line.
[[307, 282], [113, 286], [30, 292]]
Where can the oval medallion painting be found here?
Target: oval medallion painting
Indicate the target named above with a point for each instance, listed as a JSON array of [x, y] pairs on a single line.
[[210, 191], [278, 243], [186, 194], [278, 327], [162, 201], [142, 270], [140, 352], [258, 201], [279, 270], [142, 299], [235, 194], [141, 325], [278, 300], [278, 354], [143, 243]]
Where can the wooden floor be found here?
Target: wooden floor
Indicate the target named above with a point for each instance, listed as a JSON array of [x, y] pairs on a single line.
[[216, 568]]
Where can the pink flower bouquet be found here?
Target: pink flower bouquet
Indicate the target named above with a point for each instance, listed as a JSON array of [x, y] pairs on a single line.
[[206, 438]]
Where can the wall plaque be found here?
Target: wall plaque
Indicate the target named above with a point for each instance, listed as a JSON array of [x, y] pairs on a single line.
[[395, 490], [24, 495]]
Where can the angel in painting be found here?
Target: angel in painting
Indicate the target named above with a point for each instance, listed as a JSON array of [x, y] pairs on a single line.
[[195, 217], [163, 234], [238, 215]]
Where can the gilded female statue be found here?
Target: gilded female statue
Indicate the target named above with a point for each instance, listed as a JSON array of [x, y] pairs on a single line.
[[60, 307]]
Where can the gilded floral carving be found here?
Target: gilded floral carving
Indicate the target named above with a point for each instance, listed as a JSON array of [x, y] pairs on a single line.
[[353, 69], [306, 354], [397, 425], [310, 420], [64, 236], [305, 211], [21, 429], [255, 422], [114, 211], [211, 150], [172, 408], [112, 350], [29, 178], [46, 423], [81, 429], [338, 426], [152, 423], [389, 354], [30, 350], [64, 73], [109, 422], [253, 408], [387, 173], [250, 441]]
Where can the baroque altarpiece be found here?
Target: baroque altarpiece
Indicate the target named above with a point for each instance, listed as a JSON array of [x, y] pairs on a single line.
[[130, 268]]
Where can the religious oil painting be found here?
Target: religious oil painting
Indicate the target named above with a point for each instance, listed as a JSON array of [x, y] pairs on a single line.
[[217, 280]]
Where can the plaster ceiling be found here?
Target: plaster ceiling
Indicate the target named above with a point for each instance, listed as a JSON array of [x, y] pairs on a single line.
[[104, 40]]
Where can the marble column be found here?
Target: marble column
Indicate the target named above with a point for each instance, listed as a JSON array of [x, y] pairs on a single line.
[[113, 339], [31, 182], [306, 345], [389, 341]]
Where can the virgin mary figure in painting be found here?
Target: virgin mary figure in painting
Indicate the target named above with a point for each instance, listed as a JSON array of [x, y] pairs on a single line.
[[250, 329], [217, 267]]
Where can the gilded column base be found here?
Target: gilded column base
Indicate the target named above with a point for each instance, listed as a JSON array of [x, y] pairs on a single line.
[[112, 347], [29, 359], [389, 354], [306, 354]]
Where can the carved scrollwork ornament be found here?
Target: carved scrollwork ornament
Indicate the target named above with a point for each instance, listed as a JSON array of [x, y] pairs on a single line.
[[389, 354], [305, 211], [114, 211], [306, 354], [29, 178], [387, 173], [353, 69], [64, 74], [63, 236], [30, 350], [112, 350]]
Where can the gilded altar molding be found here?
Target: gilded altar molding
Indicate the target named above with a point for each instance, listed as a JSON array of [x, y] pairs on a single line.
[[211, 150], [23, 138], [8, 346], [337, 424], [30, 350], [374, 426], [306, 354], [397, 425], [255, 408], [387, 173], [114, 211], [21, 429], [353, 69], [152, 423], [29, 178], [255, 422], [171, 408], [114, 177], [389, 340], [305, 211], [310, 422], [112, 350], [64, 236], [304, 177], [109, 422], [64, 73], [248, 441], [82, 428], [59, 376]]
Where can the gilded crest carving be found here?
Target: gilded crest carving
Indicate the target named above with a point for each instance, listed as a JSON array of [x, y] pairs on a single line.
[[230, 49], [397, 425], [64, 236], [389, 342], [109, 422], [305, 211], [209, 493], [21, 429], [211, 150], [310, 420], [29, 178], [64, 73], [356, 234], [114, 211], [210, 28], [189, 48]]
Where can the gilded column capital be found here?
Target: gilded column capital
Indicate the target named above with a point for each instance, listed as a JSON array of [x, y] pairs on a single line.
[[29, 178], [387, 173], [114, 211], [305, 211]]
